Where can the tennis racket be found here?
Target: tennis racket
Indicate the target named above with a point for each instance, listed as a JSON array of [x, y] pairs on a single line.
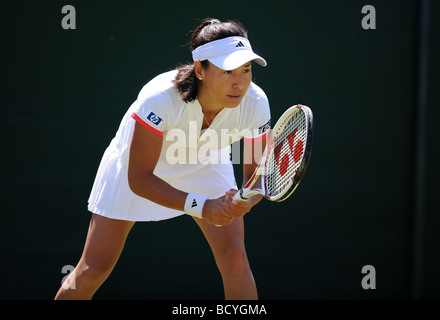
[[285, 158]]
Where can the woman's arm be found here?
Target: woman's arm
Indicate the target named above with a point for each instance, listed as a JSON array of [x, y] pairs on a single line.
[[144, 154]]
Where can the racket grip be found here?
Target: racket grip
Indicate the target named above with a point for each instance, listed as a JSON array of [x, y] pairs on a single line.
[[243, 195], [238, 196]]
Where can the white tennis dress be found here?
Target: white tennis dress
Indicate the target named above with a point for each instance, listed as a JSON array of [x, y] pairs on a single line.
[[191, 160]]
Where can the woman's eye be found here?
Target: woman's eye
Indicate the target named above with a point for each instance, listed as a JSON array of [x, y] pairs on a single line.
[[228, 72]]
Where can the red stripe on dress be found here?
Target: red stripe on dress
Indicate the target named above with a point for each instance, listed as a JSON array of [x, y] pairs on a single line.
[[146, 125]]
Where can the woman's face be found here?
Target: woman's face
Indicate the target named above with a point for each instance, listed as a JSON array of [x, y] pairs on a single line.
[[224, 89]]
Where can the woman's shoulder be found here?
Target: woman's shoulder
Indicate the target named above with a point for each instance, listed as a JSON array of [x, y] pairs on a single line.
[[158, 102], [160, 87], [255, 110], [254, 92], [256, 95]]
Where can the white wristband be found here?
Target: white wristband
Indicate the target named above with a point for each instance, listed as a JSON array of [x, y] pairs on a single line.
[[194, 204]]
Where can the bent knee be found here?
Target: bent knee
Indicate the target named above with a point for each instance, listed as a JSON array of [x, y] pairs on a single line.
[[93, 272], [234, 259]]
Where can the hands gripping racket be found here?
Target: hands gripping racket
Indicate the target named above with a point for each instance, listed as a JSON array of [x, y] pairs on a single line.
[[285, 157]]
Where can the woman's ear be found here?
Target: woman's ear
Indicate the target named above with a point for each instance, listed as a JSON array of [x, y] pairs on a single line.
[[198, 69]]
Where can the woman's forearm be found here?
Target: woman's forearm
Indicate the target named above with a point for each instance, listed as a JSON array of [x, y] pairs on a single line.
[[153, 188]]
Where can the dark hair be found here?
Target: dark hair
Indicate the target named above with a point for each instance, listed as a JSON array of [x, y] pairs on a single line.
[[209, 30]]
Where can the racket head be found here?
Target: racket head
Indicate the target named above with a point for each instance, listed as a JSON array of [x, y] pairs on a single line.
[[288, 154]]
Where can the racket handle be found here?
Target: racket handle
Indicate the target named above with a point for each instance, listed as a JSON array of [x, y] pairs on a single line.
[[237, 196], [243, 195]]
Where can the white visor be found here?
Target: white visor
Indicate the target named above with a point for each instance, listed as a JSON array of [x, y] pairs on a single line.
[[228, 53]]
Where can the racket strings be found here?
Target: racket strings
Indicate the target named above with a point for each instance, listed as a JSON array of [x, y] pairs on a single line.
[[287, 153]]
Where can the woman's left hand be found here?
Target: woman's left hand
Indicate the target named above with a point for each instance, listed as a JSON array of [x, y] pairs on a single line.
[[238, 208]]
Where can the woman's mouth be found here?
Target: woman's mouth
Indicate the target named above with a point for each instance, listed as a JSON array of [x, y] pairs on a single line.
[[234, 97]]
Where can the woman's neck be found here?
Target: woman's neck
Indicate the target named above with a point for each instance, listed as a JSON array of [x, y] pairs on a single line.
[[208, 106], [209, 109]]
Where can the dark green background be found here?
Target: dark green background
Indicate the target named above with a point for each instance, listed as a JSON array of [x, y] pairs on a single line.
[[64, 93]]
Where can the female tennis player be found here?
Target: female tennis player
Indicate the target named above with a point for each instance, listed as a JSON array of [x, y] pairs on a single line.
[[170, 157]]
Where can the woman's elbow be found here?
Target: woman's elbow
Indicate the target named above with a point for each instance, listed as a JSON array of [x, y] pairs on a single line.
[[137, 182]]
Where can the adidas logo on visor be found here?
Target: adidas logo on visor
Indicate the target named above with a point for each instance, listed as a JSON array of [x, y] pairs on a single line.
[[239, 44]]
